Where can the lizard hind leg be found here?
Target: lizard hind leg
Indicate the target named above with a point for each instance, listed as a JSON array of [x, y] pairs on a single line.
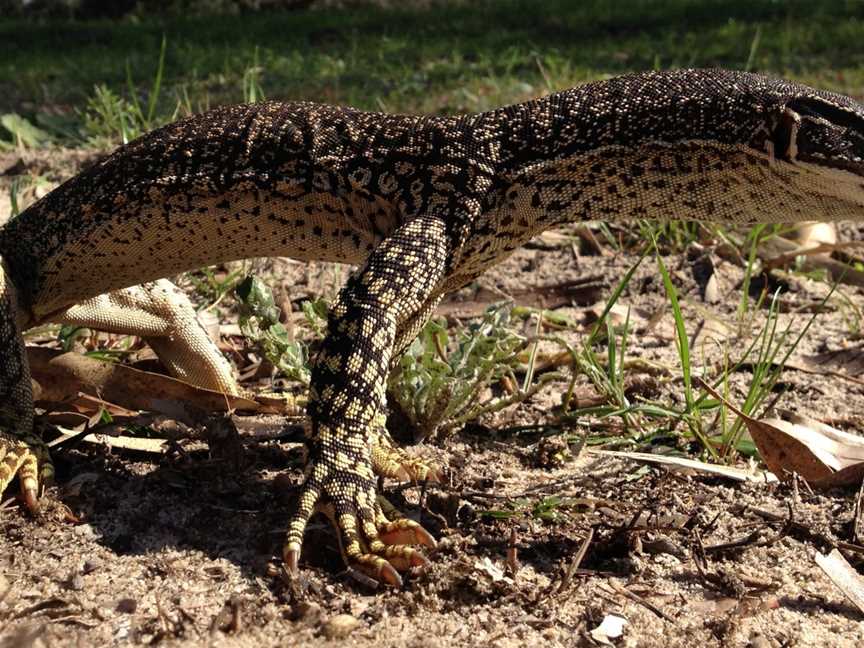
[[22, 452], [162, 314]]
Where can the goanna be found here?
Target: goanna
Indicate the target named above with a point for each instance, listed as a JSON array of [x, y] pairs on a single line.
[[422, 205]]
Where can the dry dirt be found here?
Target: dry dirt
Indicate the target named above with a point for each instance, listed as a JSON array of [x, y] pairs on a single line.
[[182, 549]]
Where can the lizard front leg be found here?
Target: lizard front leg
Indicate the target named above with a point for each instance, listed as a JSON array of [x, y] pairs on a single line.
[[22, 452], [349, 382]]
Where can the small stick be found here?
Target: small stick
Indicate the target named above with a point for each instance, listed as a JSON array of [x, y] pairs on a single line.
[[512, 555], [641, 601]]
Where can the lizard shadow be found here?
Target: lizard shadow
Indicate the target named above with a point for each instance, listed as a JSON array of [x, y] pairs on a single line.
[[194, 501], [138, 505]]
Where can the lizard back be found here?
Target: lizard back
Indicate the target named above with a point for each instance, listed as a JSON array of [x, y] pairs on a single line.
[[301, 180]]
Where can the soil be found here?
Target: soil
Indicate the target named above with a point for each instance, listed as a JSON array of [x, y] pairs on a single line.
[[182, 548]]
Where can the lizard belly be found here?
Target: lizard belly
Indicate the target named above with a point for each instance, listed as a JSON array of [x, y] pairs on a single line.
[[167, 235]]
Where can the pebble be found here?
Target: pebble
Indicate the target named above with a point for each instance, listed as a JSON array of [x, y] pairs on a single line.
[[126, 605], [340, 626]]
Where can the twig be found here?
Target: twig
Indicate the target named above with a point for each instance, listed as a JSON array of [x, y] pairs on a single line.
[[512, 553], [858, 517], [620, 589], [799, 528]]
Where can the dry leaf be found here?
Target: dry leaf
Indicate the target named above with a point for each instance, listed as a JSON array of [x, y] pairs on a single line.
[[495, 573], [714, 606], [618, 314], [71, 420], [62, 376], [136, 444], [842, 574], [813, 233], [738, 474], [858, 517], [849, 361], [209, 321], [552, 240], [712, 329], [822, 455], [612, 627], [777, 251], [711, 294], [73, 487], [582, 290]]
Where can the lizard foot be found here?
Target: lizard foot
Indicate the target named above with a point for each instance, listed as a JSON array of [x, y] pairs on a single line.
[[368, 540], [27, 458], [391, 461]]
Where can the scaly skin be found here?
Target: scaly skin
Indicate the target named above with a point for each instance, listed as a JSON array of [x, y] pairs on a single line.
[[423, 205]]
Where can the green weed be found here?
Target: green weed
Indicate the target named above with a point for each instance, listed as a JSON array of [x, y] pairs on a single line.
[[551, 509], [213, 287], [443, 381], [440, 383], [110, 118], [24, 134], [259, 322]]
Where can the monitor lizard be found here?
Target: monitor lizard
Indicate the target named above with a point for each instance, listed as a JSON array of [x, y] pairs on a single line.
[[422, 205]]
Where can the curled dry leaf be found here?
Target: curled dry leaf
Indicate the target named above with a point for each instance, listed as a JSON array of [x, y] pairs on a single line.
[[618, 314], [812, 233], [824, 456], [612, 627], [711, 293], [492, 571]]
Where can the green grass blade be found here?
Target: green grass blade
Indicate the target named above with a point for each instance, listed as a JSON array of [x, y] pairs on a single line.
[[681, 341], [616, 294], [133, 93], [157, 85]]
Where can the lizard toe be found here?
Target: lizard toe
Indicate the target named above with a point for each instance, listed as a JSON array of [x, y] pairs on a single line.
[[27, 458], [381, 541], [363, 549], [406, 532], [306, 506], [368, 541], [390, 461], [378, 569]]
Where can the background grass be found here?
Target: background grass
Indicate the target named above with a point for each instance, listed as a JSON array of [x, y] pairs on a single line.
[[446, 58]]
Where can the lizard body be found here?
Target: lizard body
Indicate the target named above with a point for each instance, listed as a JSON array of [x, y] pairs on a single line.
[[423, 205]]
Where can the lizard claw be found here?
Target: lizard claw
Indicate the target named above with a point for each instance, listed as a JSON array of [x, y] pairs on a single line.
[[399, 533], [30, 494], [368, 541], [291, 558], [27, 458], [387, 574]]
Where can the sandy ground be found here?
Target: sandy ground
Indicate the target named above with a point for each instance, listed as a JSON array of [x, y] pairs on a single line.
[[181, 549]]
